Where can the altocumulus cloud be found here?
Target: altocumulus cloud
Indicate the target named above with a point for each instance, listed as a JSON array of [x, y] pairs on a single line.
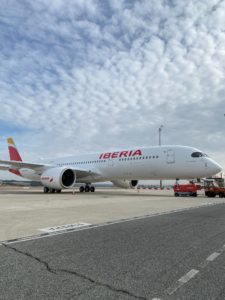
[[84, 75]]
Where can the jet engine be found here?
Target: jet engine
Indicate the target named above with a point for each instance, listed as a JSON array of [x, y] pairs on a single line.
[[58, 178], [125, 184]]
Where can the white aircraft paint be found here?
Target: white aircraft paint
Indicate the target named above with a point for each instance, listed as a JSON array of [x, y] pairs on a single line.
[[124, 168]]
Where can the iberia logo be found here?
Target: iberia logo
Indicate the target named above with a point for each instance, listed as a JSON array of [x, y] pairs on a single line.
[[120, 154], [50, 179]]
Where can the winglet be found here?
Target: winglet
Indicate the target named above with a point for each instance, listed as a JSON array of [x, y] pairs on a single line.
[[13, 152]]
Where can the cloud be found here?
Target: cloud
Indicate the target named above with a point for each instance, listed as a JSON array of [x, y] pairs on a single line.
[[99, 74]]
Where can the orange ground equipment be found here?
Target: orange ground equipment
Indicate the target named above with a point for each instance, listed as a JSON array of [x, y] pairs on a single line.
[[189, 189]]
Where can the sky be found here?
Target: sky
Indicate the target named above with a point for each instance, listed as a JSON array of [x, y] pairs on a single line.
[[80, 76]]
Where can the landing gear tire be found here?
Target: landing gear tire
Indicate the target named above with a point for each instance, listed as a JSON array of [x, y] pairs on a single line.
[[81, 189], [92, 189], [52, 191], [87, 189], [46, 190], [58, 191]]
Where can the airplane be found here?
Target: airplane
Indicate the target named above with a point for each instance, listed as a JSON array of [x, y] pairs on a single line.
[[124, 168]]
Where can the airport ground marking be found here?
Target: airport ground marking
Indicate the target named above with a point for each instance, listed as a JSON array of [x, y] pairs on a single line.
[[64, 227], [213, 256], [193, 272], [183, 280], [169, 291], [107, 223], [188, 276]]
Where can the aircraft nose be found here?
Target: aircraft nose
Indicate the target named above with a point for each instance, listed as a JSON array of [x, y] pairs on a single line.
[[215, 167]]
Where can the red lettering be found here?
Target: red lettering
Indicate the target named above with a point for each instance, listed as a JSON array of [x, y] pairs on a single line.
[[107, 155], [115, 154], [123, 153], [130, 153], [45, 178], [120, 154], [137, 152]]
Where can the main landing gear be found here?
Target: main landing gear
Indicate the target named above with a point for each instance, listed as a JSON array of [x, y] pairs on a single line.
[[87, 188], [47, 190]]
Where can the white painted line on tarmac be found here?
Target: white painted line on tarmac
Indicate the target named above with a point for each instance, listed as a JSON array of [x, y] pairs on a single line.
[[171, 290], [64, 227], [213, 256], [184, 279], [188, 276], [193, 272]]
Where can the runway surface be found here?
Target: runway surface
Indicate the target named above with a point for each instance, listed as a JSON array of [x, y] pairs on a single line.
[[177, 255]]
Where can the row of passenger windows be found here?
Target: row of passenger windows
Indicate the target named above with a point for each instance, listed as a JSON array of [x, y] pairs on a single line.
[[138, 158], [103, 161], [83, 162]]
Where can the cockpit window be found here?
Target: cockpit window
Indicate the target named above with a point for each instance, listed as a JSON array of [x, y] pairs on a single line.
[[198, 154]]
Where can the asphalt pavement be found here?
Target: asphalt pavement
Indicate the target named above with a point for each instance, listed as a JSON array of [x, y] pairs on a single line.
[[178, 255]]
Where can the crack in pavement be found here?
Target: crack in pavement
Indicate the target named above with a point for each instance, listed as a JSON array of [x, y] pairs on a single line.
[[32, 257], [56, 271]]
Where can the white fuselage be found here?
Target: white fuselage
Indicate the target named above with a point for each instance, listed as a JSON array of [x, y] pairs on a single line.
[[159, 162]]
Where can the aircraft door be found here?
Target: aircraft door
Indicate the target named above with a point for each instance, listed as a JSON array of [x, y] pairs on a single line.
[[170, 156], [110, 163]]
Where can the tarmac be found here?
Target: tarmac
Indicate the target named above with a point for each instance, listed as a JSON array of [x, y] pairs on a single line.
[[28, 211], [112, 244]]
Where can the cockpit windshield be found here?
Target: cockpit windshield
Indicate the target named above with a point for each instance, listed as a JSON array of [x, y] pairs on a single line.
[[198, 154]]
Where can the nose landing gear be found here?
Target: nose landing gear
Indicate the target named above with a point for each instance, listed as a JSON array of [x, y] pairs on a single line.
[[87, 188]]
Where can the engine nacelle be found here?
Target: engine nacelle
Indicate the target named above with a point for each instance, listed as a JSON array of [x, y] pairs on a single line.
[[58, 178], [125, 184]]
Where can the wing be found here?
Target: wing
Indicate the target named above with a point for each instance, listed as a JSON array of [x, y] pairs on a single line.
[[39, 168], [4, 168]]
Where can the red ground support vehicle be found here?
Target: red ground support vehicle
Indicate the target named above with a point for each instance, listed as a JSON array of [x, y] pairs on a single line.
[[214, 188], [189, 189]]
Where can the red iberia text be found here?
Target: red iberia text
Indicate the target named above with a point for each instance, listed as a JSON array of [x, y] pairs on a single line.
[[120, 154]]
